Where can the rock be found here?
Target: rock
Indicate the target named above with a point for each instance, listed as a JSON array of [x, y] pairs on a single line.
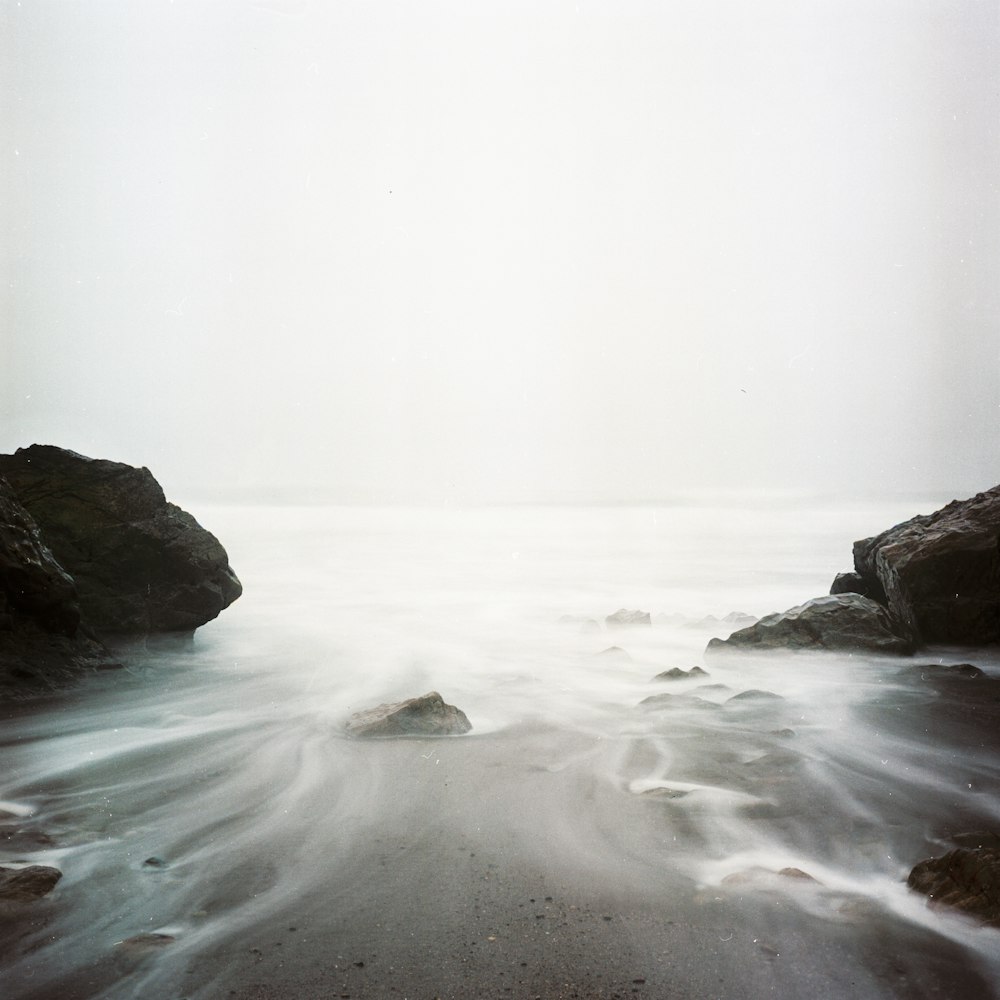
[[838, 622], [678, 674], [850, 583], [940, 671], [673, 618], [140, 564], [427, 715], [797, 873], [582, 622], [739, 619], [615, 653], [23, 884], [32, 581], [754, 694], [44, 644], [677, 701], [940, 573], [625, 617], [966, 879], [150, 941]]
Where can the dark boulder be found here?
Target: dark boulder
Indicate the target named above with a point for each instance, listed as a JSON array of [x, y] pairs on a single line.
[[940, 573], [840, 622], [140, 564], [43, 643], [427, 715], [25, 884], [31, 580], [967, 879]]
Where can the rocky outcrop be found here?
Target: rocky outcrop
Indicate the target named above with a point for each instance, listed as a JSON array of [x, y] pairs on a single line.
[[939, 573], [623, 616], [427, 715], [42, 640], [966, 879], [140, 564], [25, 884], [840, 622], [680, 674]]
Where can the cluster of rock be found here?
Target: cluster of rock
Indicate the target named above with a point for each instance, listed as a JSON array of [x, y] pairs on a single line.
[[932, 579], [91, 550]]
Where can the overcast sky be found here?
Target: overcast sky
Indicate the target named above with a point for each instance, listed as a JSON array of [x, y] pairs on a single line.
[[497, 250]]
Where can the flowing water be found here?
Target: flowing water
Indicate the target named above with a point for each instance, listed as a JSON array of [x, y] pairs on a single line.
[[208, 792]]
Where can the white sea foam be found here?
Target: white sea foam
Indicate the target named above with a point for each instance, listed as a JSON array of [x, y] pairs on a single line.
[[227, 759]]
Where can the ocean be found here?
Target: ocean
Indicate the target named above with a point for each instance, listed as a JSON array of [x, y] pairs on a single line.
[[206, 798]]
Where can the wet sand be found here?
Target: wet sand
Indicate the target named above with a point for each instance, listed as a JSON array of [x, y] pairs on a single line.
[[492, 869]]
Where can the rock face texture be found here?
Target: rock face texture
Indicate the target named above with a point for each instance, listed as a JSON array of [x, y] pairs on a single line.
[[967, 879], [940, 573], [42, 642], [840, 622], [140, 564], [427, 715]]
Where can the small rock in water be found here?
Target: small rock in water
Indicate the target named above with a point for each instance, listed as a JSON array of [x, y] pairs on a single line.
[[935, 671], [23, 884], [427, 715], [797, 873], [154, 862], [147, 941], [615, 653], [968, 880], [678, 674], [755, 694], [625, 617]]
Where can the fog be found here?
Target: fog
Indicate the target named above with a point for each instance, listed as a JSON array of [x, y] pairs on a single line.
[[464, 252]]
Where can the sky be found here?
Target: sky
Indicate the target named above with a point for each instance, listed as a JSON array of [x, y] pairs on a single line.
[[481, 251]]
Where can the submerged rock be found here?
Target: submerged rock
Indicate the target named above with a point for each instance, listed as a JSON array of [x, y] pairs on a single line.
[[140, 564], [25, 884], [679, 674], [615, 653], [940, 573], [427, 715], [625, 617], [839, 622], [966, 879]]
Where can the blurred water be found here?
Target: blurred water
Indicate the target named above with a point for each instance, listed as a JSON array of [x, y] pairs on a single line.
[[225, 760]]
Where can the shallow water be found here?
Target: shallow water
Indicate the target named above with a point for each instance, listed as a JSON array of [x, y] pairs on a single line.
[[224, 760]]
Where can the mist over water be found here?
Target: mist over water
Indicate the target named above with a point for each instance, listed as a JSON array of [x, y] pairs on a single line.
[[225, 759]]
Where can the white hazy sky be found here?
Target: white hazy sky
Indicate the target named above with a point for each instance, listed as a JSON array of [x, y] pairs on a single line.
[[505, 250]]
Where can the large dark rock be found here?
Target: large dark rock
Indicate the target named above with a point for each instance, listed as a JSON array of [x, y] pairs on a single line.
[[43, 644], [140, 564], [840, 622], [25, 884], [940, 573], [31, 580], [968, 880], [427, 715]]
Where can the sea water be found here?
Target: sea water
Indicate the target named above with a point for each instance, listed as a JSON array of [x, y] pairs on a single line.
[[188, 796]]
